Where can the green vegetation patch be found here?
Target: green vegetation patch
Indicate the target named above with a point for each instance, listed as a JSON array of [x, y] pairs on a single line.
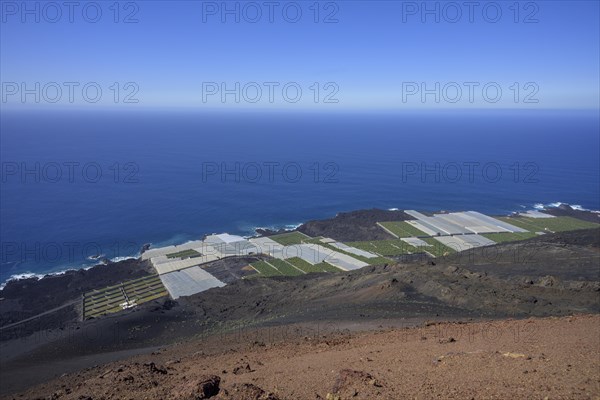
[[276, 267], [315, 240], [131, 282], [265, 269], [437, 249], [304, 265], [392, 247], [184, 254], [370, 261], [403, 229], [308, 267], [325, 266], [291, 267], [379, 261], [153, 296], [285, 267], [556, 224], [509, 236], [288, 239]]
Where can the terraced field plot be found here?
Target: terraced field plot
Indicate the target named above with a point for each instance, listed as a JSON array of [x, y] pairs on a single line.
[[116, 298], [184, 254], [370, 261], [557, 224], [315, 240], [392, 247], [285, 267], [308, 267], [438, 249], [509, 236], [325, 266], [402, 229], [290, 238], [291, 267], [265, 269]]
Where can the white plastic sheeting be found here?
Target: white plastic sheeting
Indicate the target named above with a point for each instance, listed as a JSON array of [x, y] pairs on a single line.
[[189, 281]]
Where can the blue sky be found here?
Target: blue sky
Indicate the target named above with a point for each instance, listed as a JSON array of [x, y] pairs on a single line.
[[378, 55]]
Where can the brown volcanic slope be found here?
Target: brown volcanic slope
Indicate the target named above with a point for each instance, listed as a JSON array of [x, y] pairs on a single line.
[[554, 358], [558, 277]]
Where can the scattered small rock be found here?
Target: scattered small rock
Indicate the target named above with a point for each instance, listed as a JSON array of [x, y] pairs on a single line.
[[242, 369], [156, 369], [447, 340]]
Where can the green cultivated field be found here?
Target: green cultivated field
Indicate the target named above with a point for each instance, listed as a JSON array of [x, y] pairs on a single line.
[[265, 269], [509, 236], [291, 267], [291, 238], [370, 261], [396, 247], [109, 299], [275, 267], [393, 247], [557, 224], [437, 249], [315, 240], [308, 267], [378, 260], [403, 229], [285, 267], [328, 267], [303, 265], [185, 254]]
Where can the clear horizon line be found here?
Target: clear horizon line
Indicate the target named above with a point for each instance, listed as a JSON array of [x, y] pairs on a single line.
[[138, 108]]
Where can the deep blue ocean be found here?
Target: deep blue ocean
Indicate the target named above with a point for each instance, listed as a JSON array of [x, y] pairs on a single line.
[[77, 184]]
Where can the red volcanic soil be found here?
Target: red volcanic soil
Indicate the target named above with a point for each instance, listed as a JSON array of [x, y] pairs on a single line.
[[536, 358]]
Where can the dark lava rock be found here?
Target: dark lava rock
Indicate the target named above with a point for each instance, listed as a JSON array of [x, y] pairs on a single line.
[[270, 232], [354, 225], [207, 387], [156, 369]]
